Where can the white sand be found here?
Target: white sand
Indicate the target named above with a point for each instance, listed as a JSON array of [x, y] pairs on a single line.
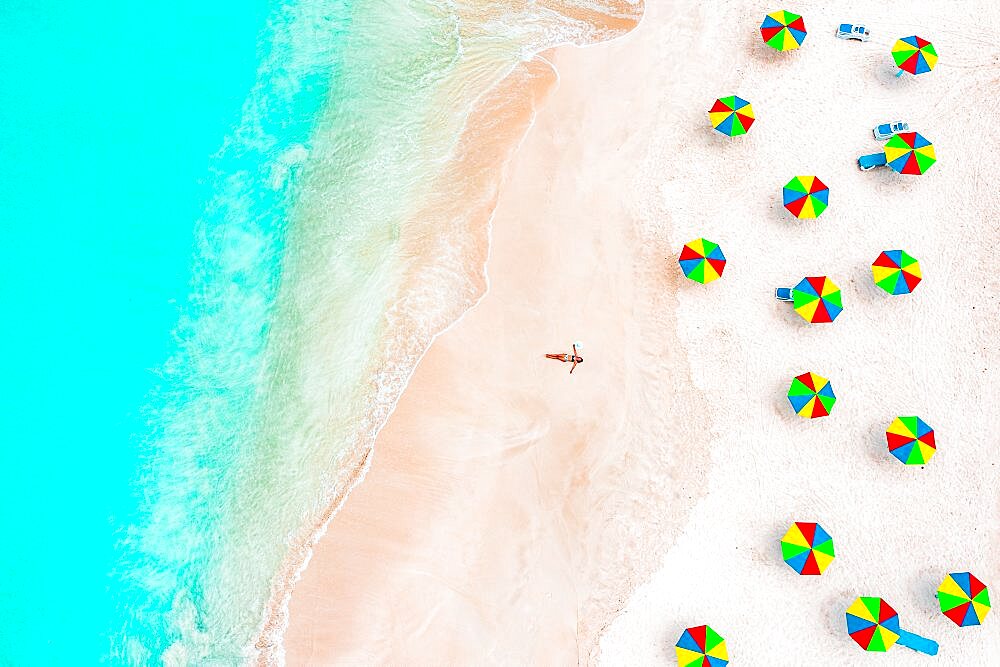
[[898, 530]]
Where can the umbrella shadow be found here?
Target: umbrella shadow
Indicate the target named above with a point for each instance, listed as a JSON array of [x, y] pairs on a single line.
[[672, 635], [884, 180], [709, 136], [878, 454], [885, 74], [766, 549], [712, 138], [834, 607], [788, 314], [923, 587], [756, 48], [889, 182], [778, 215], [869, 291], [876, 450], [797, 228], [706, 136], [782, 408]]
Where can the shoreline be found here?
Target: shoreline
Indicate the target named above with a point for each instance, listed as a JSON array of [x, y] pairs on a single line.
[[267, 646], [268, 642], [595, 509]]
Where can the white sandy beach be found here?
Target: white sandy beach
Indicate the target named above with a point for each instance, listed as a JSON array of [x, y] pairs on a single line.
[[514, 514]]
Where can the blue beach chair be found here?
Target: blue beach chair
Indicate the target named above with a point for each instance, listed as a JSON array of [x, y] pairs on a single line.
[[867, 162]]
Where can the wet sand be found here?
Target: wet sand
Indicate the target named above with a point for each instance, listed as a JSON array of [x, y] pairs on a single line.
[[511, 507]]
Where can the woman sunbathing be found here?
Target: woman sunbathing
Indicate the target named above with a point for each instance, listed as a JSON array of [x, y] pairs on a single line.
[[565, 358]]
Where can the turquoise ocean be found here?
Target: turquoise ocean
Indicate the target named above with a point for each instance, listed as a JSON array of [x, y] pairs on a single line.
[[213, 294], [127, 146]]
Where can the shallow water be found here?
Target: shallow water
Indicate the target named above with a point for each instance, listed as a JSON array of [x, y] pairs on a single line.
[[108, 187]]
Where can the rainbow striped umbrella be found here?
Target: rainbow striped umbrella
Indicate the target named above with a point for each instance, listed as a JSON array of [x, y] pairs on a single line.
[[911, 440], [731, 115], [817, 299], [964, 599], [805, 196], [702, 261], [811, 395], [914, 55], [874, 625], [909, 153], [701, 646], [783, 30], [807, 548], [896, 272]]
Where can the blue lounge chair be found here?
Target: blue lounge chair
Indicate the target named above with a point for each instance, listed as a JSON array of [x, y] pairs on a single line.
[[918, 643], [867, 162], [783, 294]]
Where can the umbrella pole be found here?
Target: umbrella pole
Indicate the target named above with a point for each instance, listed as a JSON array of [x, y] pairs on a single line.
[[917, 643], [899, 73]]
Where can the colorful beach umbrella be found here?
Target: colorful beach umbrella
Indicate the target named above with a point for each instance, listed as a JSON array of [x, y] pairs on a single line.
[[911, 440], [731, 115], [805, 196], [914, 55], [701, 646], [811, 395], [964, 599], [874, 625], [909, 153], [817, 299], [702, 261], [807, 548], [783, 30], [896, 272]]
